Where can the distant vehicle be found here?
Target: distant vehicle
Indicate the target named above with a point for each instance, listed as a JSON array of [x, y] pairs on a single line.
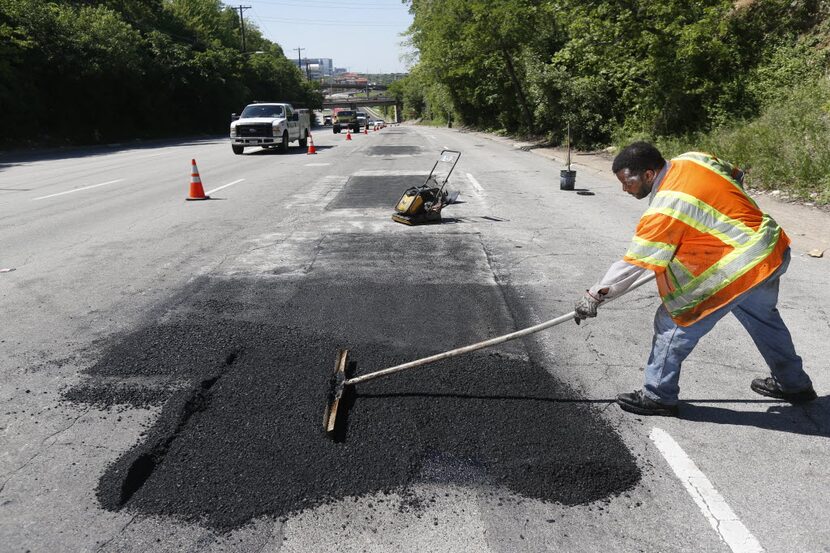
[[270, 125], [362, 118], [327, 120], [344, 119]]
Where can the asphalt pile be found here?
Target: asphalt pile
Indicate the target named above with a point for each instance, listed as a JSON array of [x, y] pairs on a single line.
[[245, 438]]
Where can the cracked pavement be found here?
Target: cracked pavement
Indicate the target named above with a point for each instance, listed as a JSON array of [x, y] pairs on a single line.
[[95, 265]]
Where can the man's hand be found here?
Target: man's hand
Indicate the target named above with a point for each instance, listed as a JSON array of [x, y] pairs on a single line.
[[586, 306]]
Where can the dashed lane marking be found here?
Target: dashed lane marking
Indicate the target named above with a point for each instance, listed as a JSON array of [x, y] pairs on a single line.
[[78, 189], [475, 184], [209, 192], [711, 503], [317, 164]]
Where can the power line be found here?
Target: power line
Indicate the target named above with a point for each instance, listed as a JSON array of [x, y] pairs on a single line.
[[326, 22], [329, 5]]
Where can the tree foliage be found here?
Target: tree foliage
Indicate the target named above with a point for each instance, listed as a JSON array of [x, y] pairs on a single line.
[[612, 67], [89, 71]]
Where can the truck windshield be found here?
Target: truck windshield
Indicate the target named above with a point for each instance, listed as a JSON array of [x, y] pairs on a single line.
[[262, 111]]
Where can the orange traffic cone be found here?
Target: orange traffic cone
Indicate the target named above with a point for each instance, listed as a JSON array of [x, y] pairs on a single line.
[[366, 129], [348, 134], [196, 190], [311, 148]]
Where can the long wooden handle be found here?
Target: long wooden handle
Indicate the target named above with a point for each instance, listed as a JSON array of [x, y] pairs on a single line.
[[486, 343]]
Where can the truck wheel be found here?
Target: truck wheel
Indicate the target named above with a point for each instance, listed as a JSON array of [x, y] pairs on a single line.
[[304, 141], [336, 129], [237, 149], [284, 144]]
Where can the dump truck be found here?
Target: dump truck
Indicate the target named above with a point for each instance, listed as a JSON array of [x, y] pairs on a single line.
[[345, 119]]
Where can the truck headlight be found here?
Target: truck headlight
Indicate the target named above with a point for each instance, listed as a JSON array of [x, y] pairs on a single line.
[[233, 131], [276, 131]]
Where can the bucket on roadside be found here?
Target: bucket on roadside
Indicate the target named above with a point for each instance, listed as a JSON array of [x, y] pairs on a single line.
[[567, 179]]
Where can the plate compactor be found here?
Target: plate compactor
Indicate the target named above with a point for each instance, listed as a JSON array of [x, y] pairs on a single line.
[[421, 205]]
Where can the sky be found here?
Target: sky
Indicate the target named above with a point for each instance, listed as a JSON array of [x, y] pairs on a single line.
[[361, 35]]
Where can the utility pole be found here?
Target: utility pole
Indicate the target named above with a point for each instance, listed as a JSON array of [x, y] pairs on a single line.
[[299, 56], [242, 23]]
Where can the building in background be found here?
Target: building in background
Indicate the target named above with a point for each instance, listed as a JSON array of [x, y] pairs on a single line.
[[351, 79], [316, 68]]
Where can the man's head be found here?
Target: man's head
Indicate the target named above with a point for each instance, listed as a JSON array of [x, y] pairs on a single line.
[[636, 167]]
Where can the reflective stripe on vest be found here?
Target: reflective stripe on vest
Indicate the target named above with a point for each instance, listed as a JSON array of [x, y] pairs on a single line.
[[722, 168], [654, 253], [700, 216], [726, 271], [680, 275]]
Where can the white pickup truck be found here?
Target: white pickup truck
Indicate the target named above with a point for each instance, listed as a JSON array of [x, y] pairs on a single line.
[[269, 125]]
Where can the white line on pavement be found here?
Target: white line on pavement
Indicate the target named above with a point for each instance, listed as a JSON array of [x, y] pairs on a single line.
[[317, 164], [209, 192], [711, 503], [475, 183], [79, 189]]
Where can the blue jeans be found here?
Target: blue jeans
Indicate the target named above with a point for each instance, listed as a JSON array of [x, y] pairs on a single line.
[[756, 311]]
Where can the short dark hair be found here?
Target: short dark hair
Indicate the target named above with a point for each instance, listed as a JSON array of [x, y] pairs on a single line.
[[638, 157]]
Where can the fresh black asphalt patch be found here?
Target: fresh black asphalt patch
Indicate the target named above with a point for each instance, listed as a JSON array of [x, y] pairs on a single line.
[[374, 191], [244, 439]]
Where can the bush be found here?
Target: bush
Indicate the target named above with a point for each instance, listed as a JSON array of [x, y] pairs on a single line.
[[786, 148]]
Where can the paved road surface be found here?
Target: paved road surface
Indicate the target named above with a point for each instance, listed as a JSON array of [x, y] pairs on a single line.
[[123, 293]]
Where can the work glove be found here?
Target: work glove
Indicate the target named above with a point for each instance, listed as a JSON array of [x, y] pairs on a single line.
[[586, 306]]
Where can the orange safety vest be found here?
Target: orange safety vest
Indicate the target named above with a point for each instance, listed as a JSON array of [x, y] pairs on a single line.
[[705, 238]]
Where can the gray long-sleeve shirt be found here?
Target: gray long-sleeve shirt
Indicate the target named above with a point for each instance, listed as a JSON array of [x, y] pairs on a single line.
[[621, 275]]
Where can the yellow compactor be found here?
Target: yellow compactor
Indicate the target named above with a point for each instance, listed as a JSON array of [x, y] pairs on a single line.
[[421, 205]]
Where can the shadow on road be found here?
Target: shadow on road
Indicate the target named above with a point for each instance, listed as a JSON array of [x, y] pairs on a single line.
[[292, 151], [11, 158], [810, 419]]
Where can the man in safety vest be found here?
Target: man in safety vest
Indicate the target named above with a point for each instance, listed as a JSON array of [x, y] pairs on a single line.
[[714, 252]]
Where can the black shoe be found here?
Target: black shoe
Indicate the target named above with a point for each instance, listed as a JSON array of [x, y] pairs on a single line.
[[637, 402], [770, 388]]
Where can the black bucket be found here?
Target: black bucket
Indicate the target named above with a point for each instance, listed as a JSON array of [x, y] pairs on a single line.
[[567, 179]]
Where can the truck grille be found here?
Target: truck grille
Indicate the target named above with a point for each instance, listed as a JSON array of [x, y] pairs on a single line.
[[254, 129]]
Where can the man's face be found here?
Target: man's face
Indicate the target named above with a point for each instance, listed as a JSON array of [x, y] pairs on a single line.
[[638, 185]]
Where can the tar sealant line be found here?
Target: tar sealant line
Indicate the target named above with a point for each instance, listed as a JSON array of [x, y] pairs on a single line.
[[475, 184], [209, 192], [711, 503], [78, 189]]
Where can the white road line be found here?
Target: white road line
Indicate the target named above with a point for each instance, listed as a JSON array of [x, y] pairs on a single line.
[[78, 189], [475, 183], [711, 503], [317, 164], [209, 192]]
